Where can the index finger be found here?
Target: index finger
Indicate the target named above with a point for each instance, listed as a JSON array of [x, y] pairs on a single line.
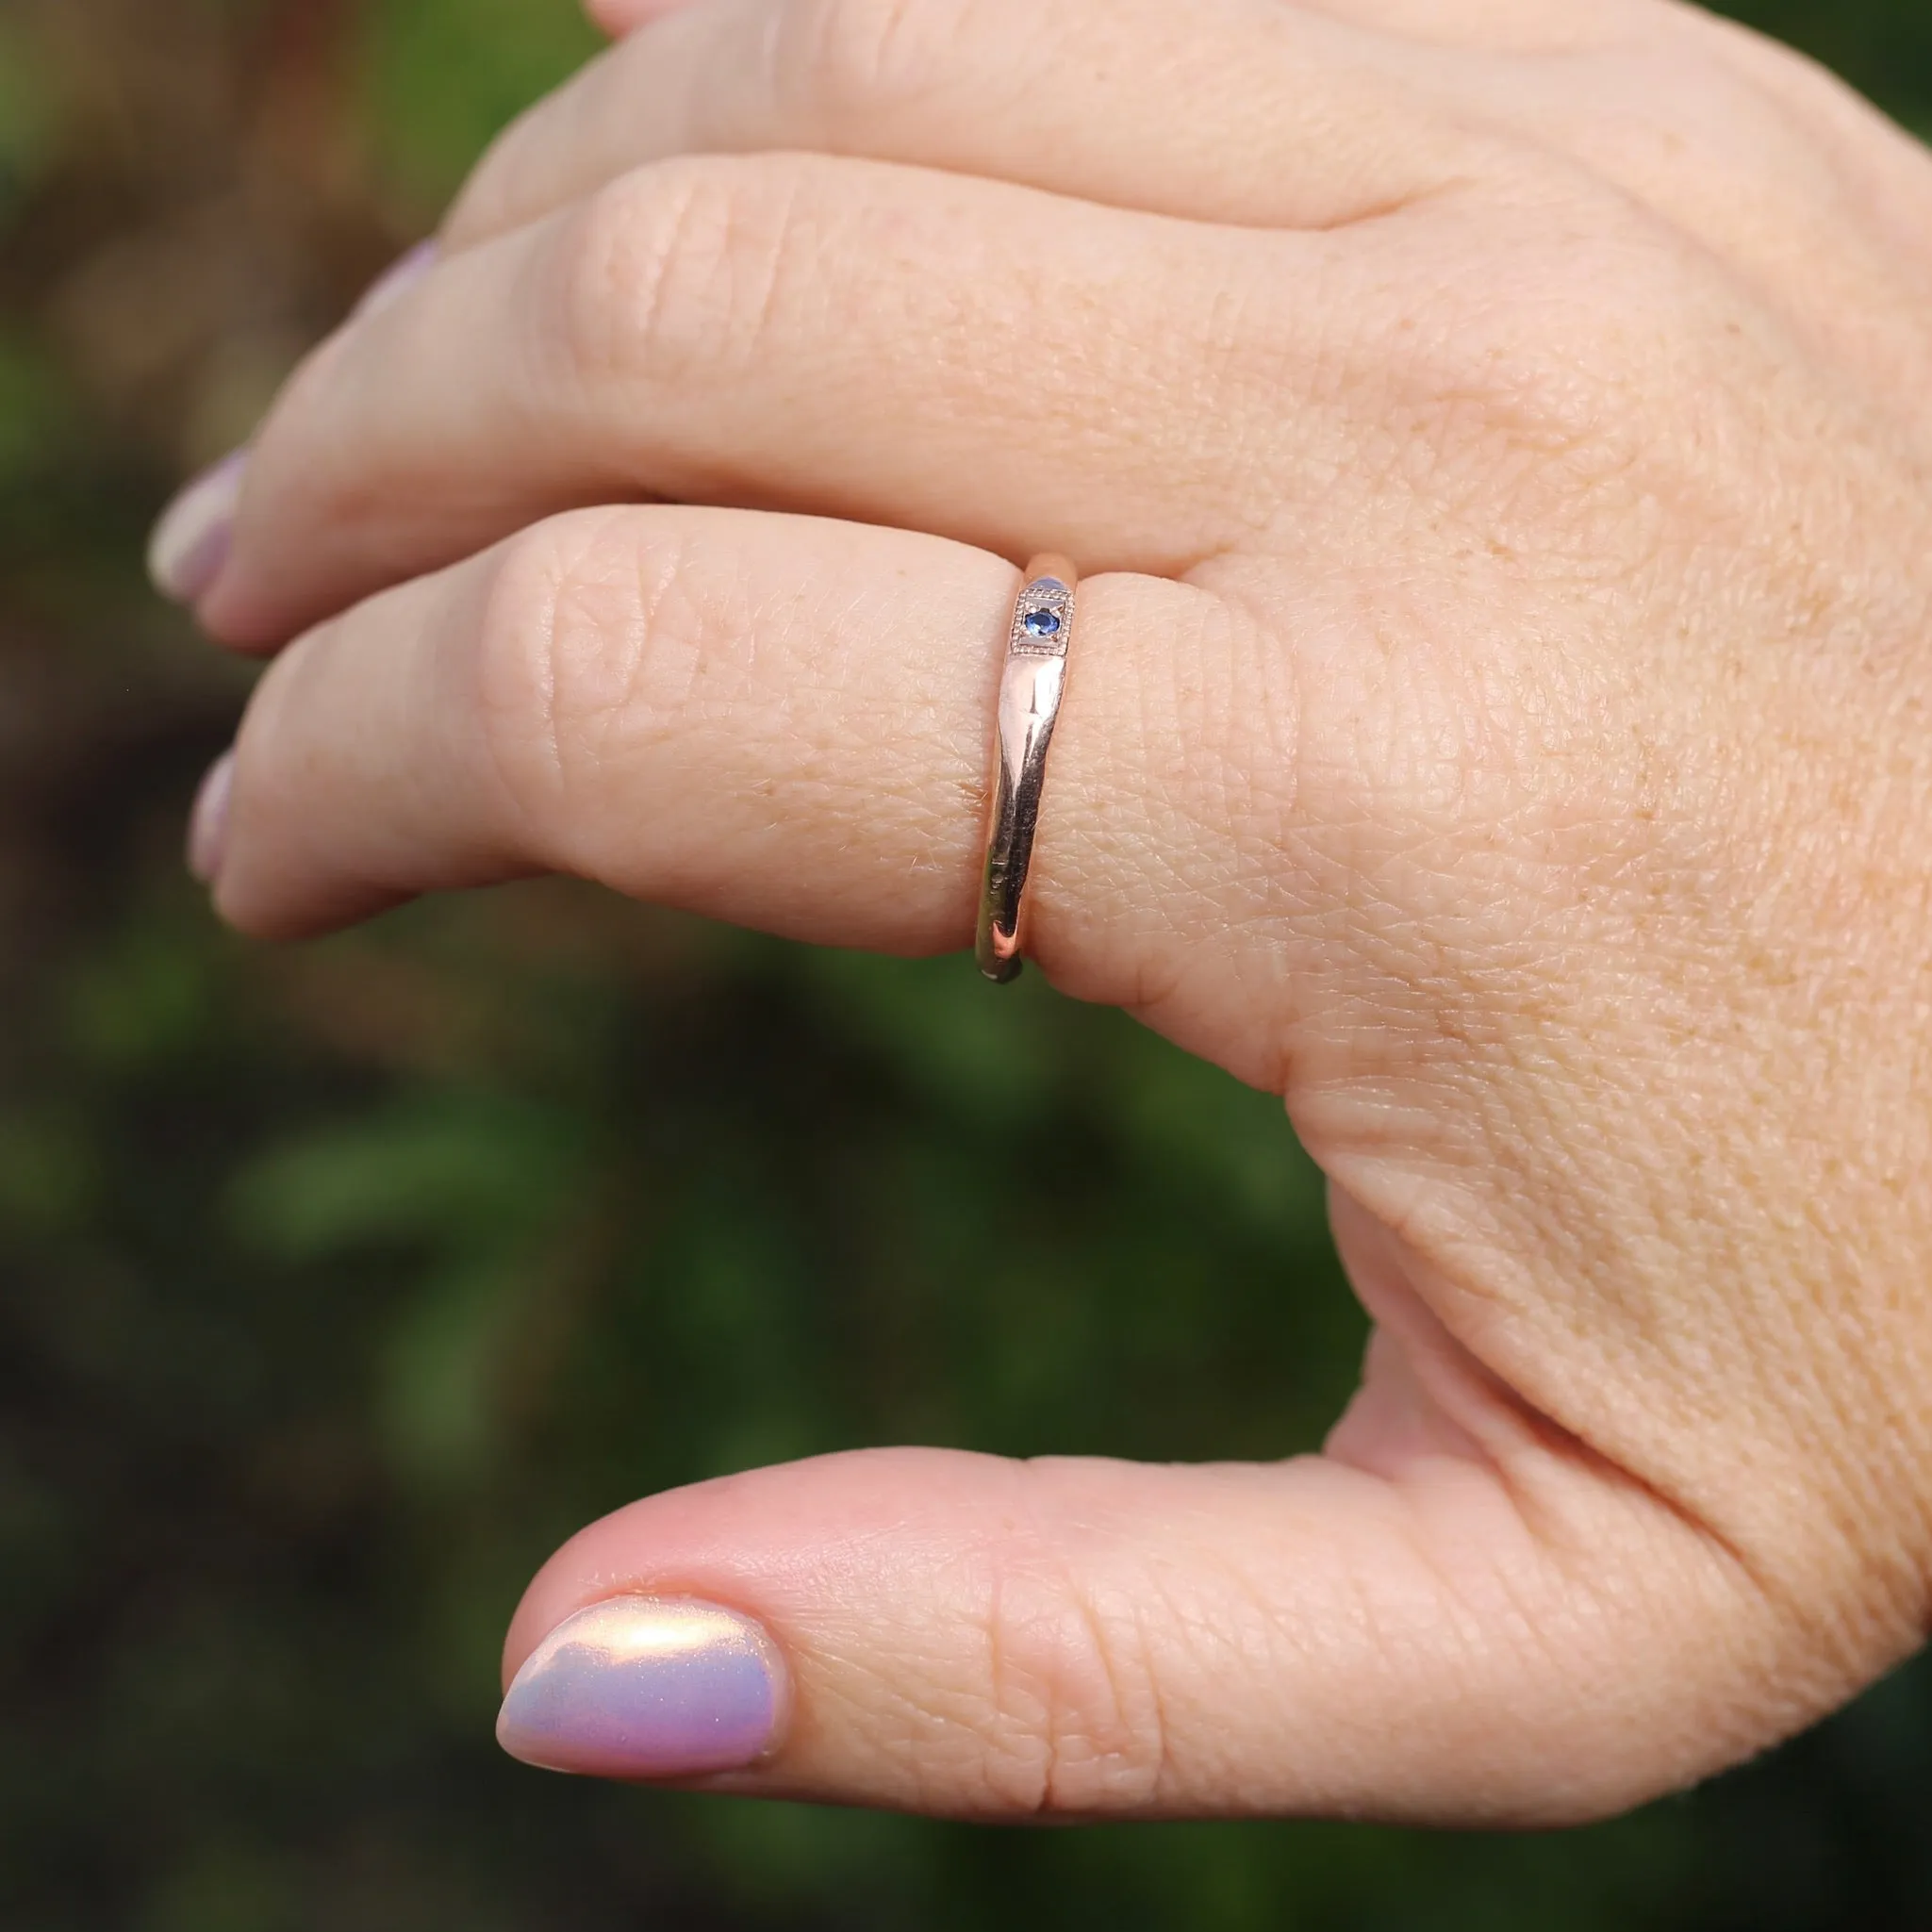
[[1245, 111]]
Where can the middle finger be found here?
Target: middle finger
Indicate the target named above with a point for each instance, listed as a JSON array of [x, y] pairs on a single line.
[[737, 330]]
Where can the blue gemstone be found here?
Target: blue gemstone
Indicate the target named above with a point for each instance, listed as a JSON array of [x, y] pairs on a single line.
[[1041, 623]]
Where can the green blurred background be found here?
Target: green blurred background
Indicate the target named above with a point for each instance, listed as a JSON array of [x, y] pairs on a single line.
[[342, 1282]]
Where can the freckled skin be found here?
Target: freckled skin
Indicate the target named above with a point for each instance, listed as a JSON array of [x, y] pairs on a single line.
[[1492, 437]]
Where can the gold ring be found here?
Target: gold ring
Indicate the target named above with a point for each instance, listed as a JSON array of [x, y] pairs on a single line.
[[1030, 692]]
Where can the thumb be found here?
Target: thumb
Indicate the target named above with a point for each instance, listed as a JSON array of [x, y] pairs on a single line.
[[1456, 1616]]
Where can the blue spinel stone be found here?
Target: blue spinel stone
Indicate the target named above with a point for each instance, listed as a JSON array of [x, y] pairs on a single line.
[[1041, 623]]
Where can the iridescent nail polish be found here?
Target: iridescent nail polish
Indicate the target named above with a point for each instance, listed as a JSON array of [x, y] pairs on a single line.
[[208, 825], [192, 541], [397, 279], [646, 1687]]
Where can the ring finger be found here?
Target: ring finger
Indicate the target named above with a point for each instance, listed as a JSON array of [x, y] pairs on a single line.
[[777, 720]]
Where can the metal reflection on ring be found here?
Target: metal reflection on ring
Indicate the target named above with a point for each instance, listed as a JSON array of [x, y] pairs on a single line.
[[1031, 687]]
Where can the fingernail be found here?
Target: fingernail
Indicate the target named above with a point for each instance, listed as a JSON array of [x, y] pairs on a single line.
[[396, 279], [644, 1686], [208, 825], [192, 541]]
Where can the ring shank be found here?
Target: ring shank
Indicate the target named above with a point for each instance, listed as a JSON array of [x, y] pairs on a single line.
[[1031, 686]]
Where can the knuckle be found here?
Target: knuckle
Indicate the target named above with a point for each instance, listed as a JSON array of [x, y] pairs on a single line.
[[675, 267], [512, 665], [1073, 1721], [1539, 406], [585, 661], [856, 55]]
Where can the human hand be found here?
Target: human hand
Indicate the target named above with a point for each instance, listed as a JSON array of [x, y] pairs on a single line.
[[1497, 723]]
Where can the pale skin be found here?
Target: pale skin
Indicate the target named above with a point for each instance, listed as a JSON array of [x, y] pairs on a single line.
[[1494, 435]]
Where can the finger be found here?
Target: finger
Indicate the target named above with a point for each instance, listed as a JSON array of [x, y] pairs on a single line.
[[785, 722], [690, 704], [1523, 26], [1458, 1619], [1231, 110], [775, 720], [984, 361]]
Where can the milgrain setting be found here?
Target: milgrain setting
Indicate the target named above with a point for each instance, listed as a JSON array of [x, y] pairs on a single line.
[[1031, 688]]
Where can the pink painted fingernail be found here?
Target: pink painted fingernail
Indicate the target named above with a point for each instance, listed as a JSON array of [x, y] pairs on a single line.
[[397, 279], [647, 1687], [208, 825], [192, 541]]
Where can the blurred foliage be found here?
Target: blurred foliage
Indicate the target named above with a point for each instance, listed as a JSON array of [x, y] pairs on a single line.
[[337, 1284]]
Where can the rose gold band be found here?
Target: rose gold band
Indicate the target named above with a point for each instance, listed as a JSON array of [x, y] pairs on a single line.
[[1030, 692]]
